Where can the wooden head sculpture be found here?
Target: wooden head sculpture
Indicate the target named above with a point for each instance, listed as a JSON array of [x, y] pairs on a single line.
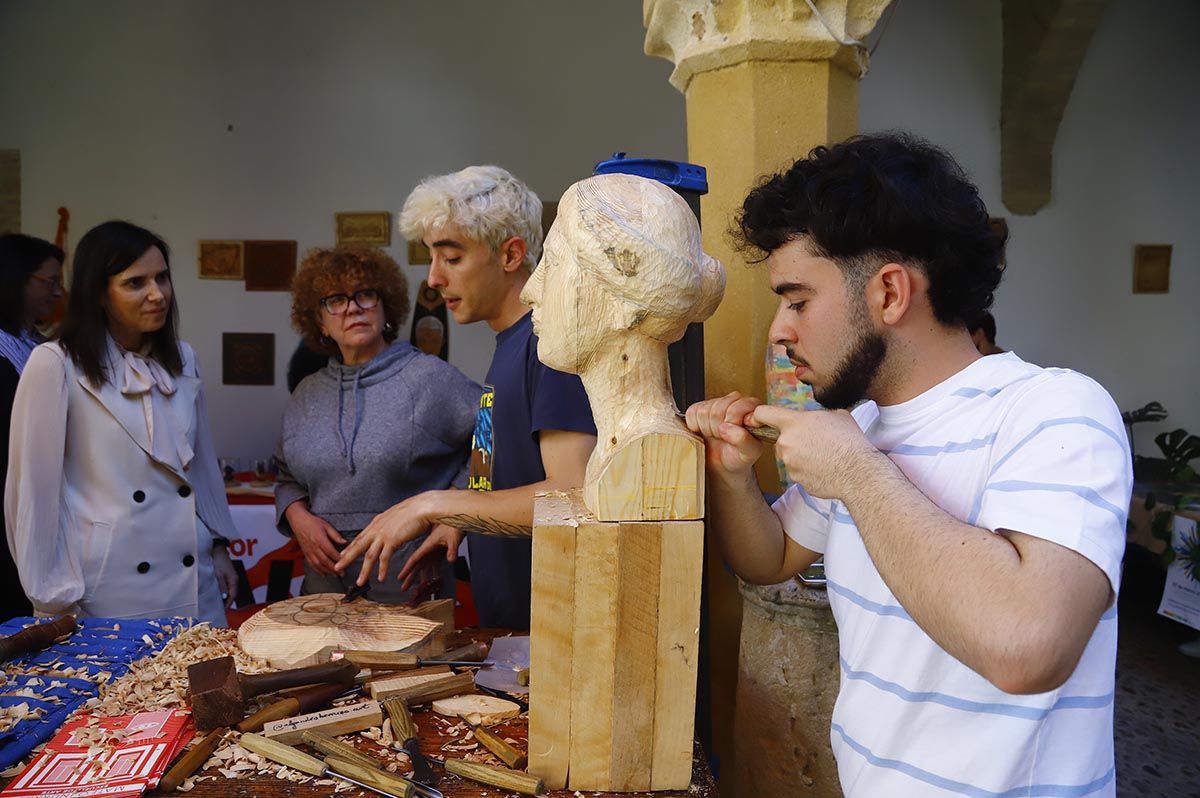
[[622, 274]]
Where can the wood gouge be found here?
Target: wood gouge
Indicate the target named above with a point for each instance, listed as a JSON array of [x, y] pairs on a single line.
[[405, 732], [379, 781], [764, 434], [493, 776], [332, 748]]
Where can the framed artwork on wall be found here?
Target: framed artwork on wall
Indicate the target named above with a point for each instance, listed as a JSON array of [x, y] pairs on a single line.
[[10, 191], [1151, 268], [248, 358], [221, 260], [270, 265], [419, 254], [365, 227]]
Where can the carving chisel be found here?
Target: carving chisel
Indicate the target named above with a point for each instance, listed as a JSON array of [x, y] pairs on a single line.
[[333, 748], [493, 776], [764, 434], [405, 732], [379, 781]]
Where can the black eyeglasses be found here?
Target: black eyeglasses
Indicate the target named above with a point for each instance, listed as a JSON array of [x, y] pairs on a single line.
[[337, 304], [54, 283]]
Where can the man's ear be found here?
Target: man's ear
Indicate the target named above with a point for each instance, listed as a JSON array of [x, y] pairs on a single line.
[[512, 253], [890, 292]]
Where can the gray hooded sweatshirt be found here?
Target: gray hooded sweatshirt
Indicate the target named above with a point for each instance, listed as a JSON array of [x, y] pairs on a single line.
[[358, 439]]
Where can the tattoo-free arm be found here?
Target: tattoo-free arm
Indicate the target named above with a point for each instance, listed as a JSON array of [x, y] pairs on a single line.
[[1015, 608]]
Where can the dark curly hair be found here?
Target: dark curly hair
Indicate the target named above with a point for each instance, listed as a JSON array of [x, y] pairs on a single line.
[[346, 270], [874, 199]]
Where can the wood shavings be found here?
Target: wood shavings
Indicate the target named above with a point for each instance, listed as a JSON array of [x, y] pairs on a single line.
[[386, 737], [12, 715], [160, 681]]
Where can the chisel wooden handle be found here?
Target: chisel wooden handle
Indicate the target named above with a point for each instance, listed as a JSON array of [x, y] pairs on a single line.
[[283, 754], [372, 777], [37, 637], [191, 761], [472, 652], [382, 660], [305, 700], [765, 434], [494, 776], [445, 687], [402, 723], [258, 683], [500, 747], [276, 711], [330, 746]]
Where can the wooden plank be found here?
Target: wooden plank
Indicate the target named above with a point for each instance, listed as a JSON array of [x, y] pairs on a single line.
[[681, 574], [595, 652], [389, 685], [335, 721], [551, 639], [638, 563], [656, 477]]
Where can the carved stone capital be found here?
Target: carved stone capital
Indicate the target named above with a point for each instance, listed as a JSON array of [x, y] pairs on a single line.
[[703, 35]]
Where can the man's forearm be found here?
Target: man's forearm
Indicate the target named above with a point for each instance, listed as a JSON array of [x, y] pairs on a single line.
[[502, 513], [965, 586], [749, 535]]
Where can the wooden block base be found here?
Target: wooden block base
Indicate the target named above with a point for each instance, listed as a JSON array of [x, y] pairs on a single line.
[[613, 649]]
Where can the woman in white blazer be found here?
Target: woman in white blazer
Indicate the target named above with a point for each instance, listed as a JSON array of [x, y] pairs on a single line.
[[114, 503]]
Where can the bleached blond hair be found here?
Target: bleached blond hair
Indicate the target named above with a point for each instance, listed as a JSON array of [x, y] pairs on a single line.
[[486, 202]]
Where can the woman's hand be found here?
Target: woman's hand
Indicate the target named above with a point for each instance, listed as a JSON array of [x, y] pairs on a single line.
[[316, 538], [227, 578]]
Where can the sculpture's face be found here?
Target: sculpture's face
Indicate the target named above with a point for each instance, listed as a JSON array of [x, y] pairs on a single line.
[[567, 305]]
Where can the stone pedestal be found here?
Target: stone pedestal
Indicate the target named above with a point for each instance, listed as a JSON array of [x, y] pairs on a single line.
[[787, 685]]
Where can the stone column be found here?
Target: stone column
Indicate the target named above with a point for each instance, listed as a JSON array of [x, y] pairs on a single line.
[[787, 683], [765, 81]]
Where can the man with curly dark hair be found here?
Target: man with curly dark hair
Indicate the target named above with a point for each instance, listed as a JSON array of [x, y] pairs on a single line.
[[971, 510]]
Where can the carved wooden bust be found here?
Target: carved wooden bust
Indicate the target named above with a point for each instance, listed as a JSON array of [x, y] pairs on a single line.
[[622, 274]]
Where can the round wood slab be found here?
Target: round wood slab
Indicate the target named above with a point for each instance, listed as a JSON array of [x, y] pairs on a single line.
[[291, 633]]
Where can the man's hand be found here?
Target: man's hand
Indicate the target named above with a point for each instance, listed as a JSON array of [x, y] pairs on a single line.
[[728, 446], [387, 532], [443, 541], [227, 578], [823, 450], [315, 536]]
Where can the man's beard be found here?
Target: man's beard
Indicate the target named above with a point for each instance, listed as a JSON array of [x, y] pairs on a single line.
[[853, 376]]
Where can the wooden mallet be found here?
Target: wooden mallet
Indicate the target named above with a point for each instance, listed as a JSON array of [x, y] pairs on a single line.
[[219, 693]]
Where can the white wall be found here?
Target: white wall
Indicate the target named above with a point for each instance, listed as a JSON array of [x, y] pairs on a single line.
[[1126, 171], [121, 109]]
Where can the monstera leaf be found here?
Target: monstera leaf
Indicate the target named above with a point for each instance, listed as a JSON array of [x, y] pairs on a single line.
[[1179, 448]]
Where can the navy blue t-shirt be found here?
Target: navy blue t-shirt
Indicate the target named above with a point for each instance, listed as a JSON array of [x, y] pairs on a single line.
[[521, 398]]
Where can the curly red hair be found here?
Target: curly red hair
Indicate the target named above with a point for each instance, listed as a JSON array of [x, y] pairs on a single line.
[[346, 270]]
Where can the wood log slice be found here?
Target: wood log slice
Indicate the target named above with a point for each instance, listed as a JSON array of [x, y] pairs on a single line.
[[293, 633], [479, 709]]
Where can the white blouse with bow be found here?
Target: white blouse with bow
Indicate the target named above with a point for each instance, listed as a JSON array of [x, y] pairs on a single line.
[[114, 495]]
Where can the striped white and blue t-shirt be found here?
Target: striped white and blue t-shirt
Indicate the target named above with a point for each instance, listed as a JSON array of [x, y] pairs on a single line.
[[1003, 444]]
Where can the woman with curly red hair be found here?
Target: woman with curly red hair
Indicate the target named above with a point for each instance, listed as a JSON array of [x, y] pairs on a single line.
[[379, 423]]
